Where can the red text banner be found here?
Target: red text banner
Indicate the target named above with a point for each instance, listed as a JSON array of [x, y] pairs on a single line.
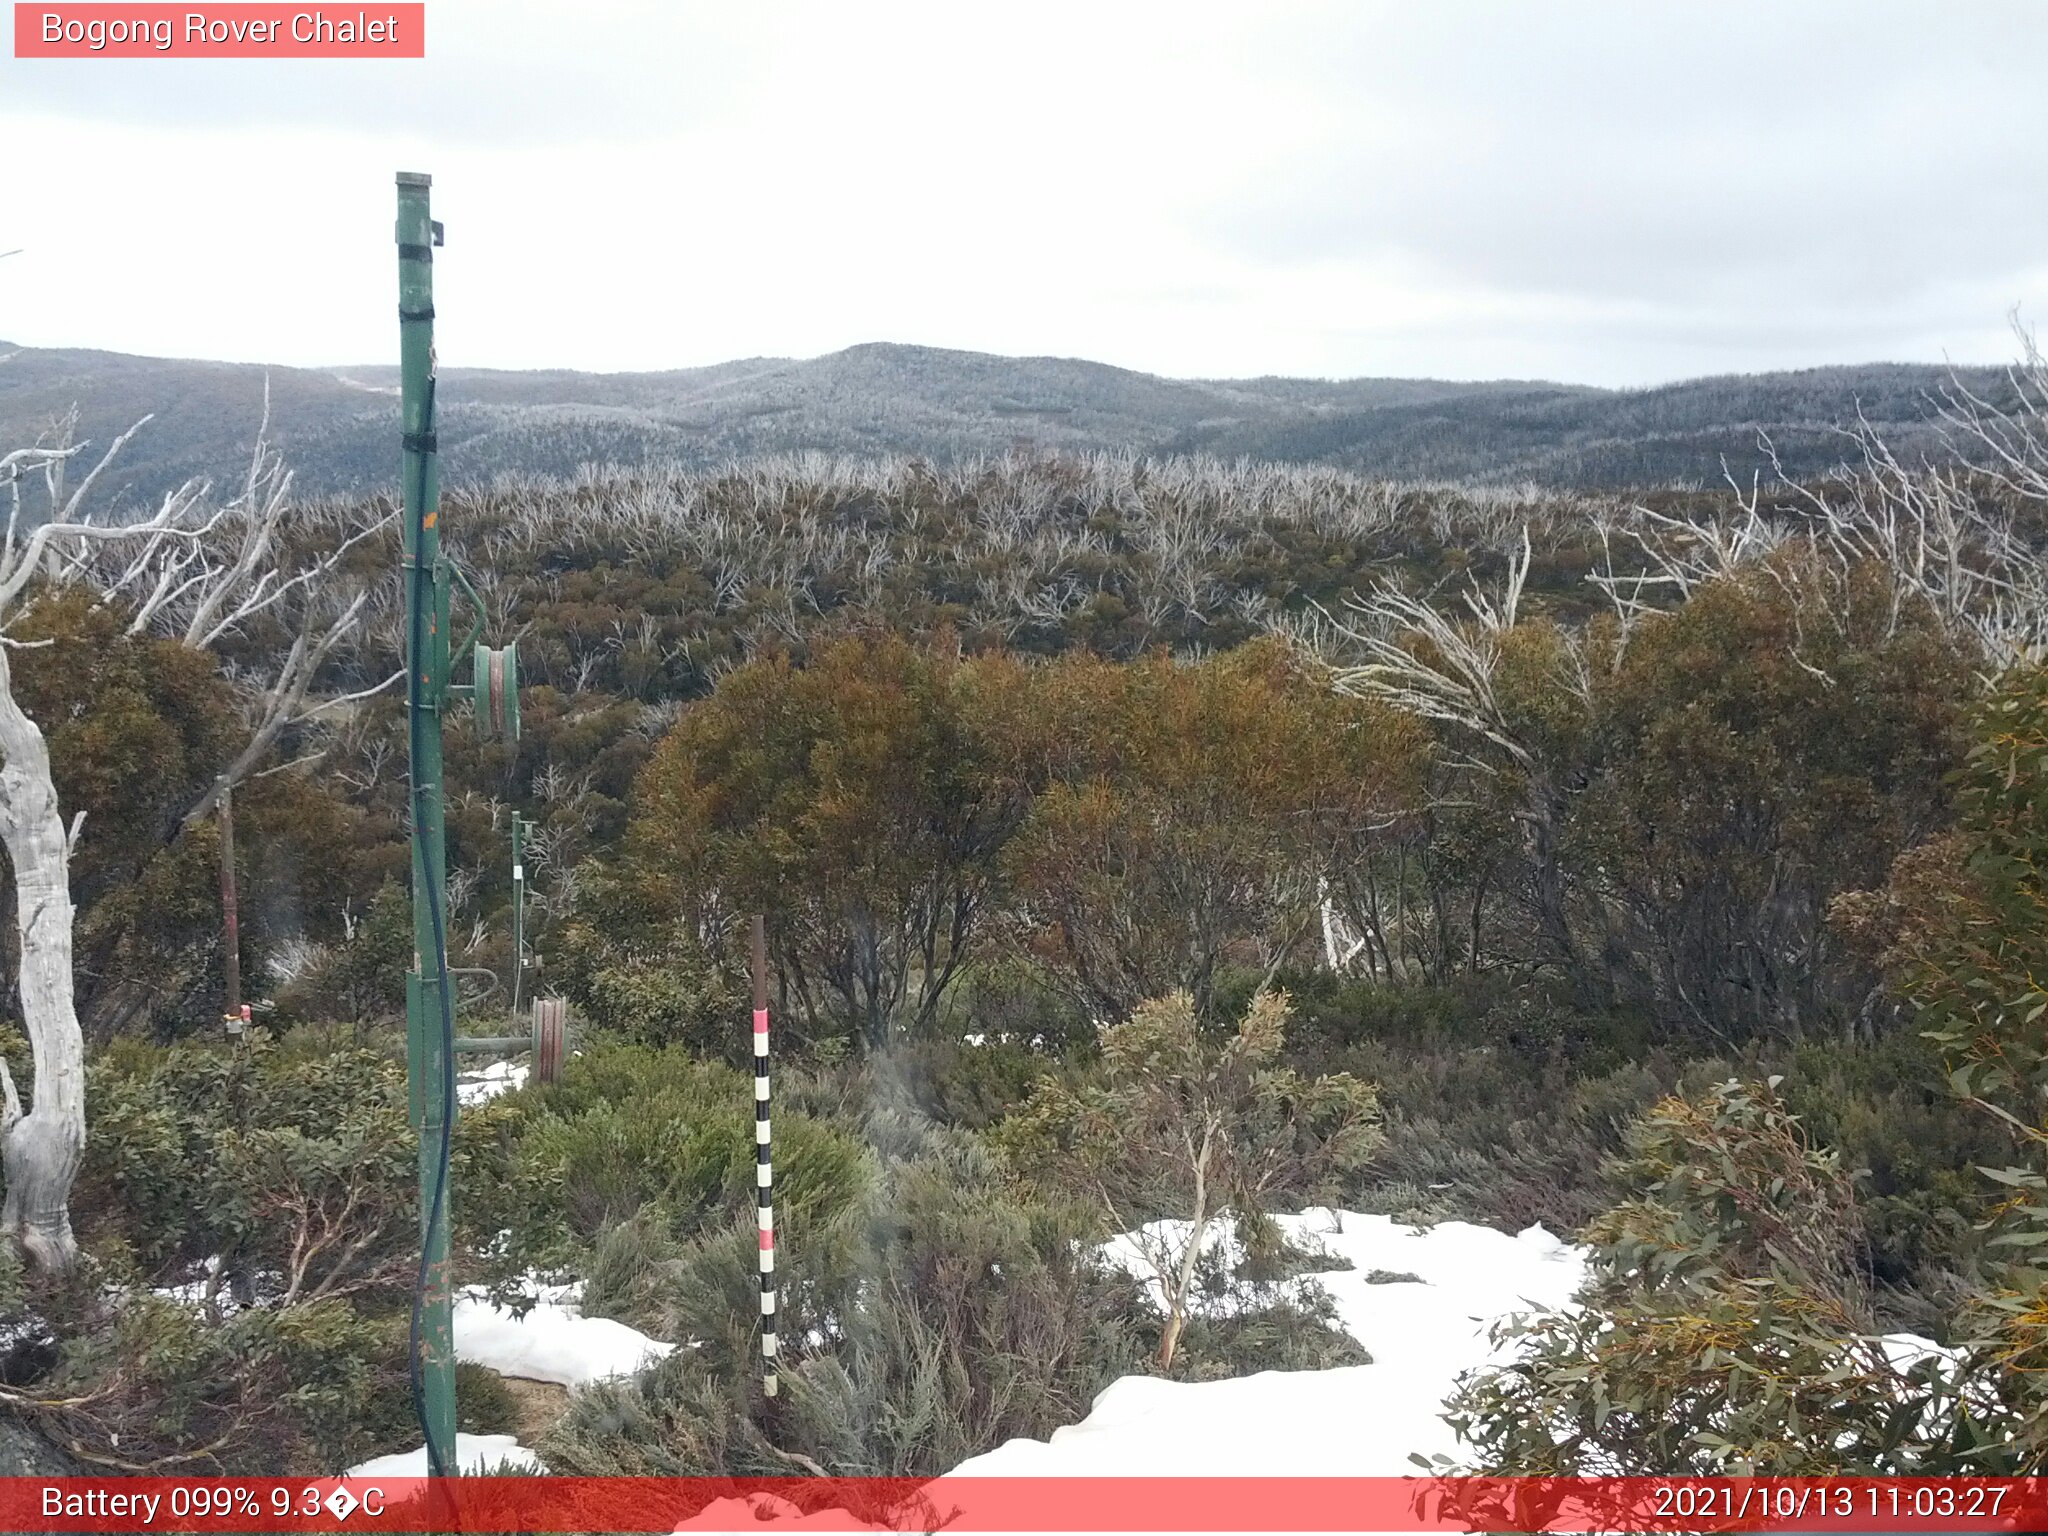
[[1042, 1504], [232, 31]]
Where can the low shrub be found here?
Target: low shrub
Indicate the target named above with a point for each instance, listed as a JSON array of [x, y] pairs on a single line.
[[149, 1383], [1197, 1125], [1916, 1149], [249, 1213], [938, 1315], [637, 971], [636, 1139], [1725, 1328], [484, 1405]]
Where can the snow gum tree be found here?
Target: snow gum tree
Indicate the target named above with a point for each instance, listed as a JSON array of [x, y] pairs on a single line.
[[1183, 1123]]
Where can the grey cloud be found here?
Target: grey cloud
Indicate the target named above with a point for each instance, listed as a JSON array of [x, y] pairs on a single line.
[[1671, 154]]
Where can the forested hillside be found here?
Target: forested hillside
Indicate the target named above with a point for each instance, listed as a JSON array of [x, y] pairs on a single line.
[[946, 406], [1150, 846]]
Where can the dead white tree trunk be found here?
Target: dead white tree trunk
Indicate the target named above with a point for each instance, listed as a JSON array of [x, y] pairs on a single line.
[[40, 1147], [40, 1150], [202, 573]]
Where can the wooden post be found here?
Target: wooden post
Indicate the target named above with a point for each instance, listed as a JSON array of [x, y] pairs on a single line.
[[550, 1037], [231, 919]]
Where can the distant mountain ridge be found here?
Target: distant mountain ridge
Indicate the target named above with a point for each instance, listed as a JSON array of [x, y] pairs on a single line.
[[338, 427]]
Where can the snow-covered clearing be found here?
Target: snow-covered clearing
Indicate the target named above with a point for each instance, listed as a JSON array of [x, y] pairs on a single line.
[[1355, 1421], [1363, 1420], [552, 1341], [477, 1455], [490, 1080]]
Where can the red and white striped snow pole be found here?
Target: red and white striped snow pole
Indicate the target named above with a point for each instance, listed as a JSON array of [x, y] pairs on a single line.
[[764, 1168]]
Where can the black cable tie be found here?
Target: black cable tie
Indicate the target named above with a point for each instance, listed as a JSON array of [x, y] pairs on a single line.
[[415, 314], [420, 442], [410, 252]]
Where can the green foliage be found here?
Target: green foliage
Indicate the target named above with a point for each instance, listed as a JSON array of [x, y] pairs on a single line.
[[632, 1131], [1916, 1149], [971, 1084], [1478, 1132], [364, 977], [484, 1405], [146, 1383], [1961, 929], [1181, 810], [635, 970], [939, 1315], [1164, 1085], [1728, 1184], [1723, 1329], [1125, 824], [1300, 1333], [1178, 1123], [297, 1168], [268, 1190], [959, 845], [849, 800], [1763, 747], [1735, 1260], [138, 727]]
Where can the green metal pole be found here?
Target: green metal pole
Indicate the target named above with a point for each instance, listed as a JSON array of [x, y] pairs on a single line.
[[427, 598]]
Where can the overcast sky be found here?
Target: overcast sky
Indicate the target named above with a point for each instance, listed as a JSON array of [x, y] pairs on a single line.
[[1609, 193]]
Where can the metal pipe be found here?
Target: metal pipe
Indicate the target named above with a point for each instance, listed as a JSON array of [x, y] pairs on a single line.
[[428, 995]]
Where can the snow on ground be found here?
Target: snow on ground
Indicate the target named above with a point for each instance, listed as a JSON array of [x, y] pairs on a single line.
[[552, 1341], [1361, 1420], [477, 1455], [490, 1080], [1354, 1421]]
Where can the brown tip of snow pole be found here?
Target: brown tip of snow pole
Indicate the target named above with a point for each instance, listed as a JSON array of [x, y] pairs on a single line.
[[760, 937]]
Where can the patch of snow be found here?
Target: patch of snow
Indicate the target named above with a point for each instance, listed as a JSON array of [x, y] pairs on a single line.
[[265, 1286], [1354, 1421], [193, 1293], [1906, 1350], [475, 1456], [1156, 1249], [553, 1341], [487, 1082], [368, 389]]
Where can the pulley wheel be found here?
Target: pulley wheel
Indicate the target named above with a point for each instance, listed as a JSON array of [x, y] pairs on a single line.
[[497, 692]]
